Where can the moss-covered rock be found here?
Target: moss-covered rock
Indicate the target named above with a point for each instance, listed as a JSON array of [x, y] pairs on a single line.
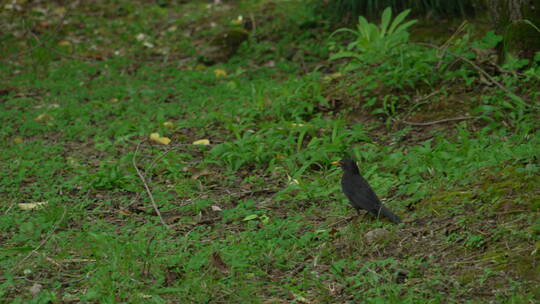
[[224, 45], [513, 20]]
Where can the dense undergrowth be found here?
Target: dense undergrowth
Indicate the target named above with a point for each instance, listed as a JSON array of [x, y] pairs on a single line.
[[447, 138]]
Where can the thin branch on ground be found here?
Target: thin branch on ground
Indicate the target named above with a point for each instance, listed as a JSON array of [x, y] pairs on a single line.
[[9, 208], [43, 242], [376, 274], [154, 162], [438, 121], [254, 26], [143, 180], [480, 70], [421, 101], [343, 220], [39, 42]]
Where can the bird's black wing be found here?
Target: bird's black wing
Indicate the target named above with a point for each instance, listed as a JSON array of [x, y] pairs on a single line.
[[360, 193]]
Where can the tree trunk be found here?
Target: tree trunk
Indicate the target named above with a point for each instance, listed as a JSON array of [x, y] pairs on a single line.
[[521, 39]]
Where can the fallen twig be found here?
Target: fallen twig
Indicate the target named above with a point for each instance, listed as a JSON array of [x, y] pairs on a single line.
[[45, 240], [340, 221], [438, 121], [154, 162], [480, 70], [141, 176], [39, 42], [510, 212]]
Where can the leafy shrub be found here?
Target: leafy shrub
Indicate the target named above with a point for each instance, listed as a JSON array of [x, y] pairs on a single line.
[[373, 43]]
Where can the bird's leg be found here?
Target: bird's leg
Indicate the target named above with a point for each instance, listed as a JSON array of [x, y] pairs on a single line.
[[379, 212], [359, 215], [354, 217]]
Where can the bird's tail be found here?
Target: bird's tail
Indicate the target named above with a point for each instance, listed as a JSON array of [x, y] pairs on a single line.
[[389, 214]]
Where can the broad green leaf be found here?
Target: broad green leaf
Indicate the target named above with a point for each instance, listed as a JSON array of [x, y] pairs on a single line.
[[405, 26], [250, 217], [398, 20], [343, 30], [385, 20]]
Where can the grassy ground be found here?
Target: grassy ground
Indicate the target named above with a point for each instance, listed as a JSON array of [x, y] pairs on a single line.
[[257, 216]]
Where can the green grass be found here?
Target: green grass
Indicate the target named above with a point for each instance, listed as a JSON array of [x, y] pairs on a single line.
[[257, 216]]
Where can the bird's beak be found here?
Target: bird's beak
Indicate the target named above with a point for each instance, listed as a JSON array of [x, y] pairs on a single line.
[[337, 162]]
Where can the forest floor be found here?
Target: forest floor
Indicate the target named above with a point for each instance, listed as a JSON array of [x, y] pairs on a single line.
[[245, 205]]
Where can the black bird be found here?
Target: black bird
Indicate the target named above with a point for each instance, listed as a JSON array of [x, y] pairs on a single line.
[[360, 194]]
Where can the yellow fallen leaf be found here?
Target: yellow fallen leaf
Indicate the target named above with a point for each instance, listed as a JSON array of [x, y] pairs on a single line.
[[220, 73], [30, 206], [200, 67], [43, 117], [35, 289], [141, 37], [17, 140], [64, 43], [158, 139], [238, 20], [168, 125], [101, 30], [164, 140], [292, 181], [200, 172], [125, 212], [145, 296], [60, 10], [72, 162], [332, 76], [202, 142]]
